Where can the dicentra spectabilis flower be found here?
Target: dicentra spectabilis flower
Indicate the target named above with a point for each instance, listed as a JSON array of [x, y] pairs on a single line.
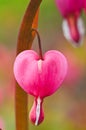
[[84, 5], [73, 27], [40, 76]]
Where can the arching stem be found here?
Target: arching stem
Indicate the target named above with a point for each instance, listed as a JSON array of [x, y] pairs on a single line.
[[24, 42], [39, 42]]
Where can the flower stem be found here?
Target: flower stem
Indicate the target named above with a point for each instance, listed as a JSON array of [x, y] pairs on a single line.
[[25, 39], [39, 42]]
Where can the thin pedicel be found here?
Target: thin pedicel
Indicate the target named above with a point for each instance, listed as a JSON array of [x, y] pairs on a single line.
[[39, 42]]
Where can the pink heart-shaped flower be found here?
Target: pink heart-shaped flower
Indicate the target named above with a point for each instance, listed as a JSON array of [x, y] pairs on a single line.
[[39, 77], [73, 26]]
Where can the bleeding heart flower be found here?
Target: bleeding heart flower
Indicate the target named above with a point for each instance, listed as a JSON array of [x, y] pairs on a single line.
[[73, 27], [84, 5], [39, 77]]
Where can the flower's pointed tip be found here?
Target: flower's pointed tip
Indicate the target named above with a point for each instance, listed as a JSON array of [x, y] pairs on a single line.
[[36, 114], [77, 44], [74, 36]]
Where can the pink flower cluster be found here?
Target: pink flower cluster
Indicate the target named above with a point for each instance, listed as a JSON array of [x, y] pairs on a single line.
[[73, 27]]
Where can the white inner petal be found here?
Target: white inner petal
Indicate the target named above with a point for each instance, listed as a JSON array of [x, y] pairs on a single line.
[[40, 66], [38, 110], [66, 31], [80, 26]]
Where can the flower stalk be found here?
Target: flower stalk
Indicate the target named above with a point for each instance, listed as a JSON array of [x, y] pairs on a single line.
[[25, 39], [39, 42]]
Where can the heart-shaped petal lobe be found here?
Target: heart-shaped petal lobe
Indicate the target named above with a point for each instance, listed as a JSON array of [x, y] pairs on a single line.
[[38, 77]]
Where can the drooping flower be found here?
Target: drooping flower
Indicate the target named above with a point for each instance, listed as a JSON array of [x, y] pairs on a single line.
[[73, 27], [84, 5], [39, 77]]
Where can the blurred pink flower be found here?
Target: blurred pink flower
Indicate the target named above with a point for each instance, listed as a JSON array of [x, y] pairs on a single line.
[[84, 4], [73, 27], [75, 69], [6, 74], [2, 127], [1, 96]]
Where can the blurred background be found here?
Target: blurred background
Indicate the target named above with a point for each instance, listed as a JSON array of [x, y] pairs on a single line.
[[64, 110]]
